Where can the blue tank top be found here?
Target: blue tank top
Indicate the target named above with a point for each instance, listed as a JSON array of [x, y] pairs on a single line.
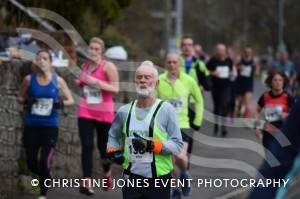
[[48, 93]]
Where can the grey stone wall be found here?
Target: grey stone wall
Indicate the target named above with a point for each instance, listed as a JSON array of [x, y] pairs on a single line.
[[66, 161], [10, 125]]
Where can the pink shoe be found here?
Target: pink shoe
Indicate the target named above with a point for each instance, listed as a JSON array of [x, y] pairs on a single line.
[[107, 183]]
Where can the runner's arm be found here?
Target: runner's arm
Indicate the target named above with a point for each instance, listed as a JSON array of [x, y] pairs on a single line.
[[212, 68], [203, 68], [113, 79], [257, 112], [257, 122], [260, 105], [78, 82], [174, 143], [66, 92], [294, 77], [257, 67], [115, 131], [23, 89], [199, 105]]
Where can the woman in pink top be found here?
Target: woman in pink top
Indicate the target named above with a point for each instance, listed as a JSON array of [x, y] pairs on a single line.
[[99, 80]]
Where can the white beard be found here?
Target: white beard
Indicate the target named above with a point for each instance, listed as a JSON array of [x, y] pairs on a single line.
[[145, 92]]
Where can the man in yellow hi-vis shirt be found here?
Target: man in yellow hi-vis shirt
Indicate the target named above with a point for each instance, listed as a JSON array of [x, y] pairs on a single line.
[[177, 87]]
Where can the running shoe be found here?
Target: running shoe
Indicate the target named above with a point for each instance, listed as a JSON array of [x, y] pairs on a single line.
[[176, 194], [216, 129], [186, 190], [86, 188], [224, 133]]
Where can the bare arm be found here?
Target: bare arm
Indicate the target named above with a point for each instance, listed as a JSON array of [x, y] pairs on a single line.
[[113, 79], [68, 101], [257, 117], [257, 112], [77, 81], [293, 78], [23, 89], [257, 67], [215, 73]]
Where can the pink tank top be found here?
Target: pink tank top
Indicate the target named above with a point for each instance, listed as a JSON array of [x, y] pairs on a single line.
[[95, 104]]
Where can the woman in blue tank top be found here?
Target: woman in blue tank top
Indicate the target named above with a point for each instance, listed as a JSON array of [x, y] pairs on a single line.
[[40, 93]]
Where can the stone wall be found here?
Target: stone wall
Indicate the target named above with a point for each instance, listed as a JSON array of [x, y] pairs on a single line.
[[66, 162]]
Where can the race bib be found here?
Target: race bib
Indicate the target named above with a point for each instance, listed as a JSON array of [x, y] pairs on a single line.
[[273, 113], [42, 107], [177, 104], [246, 71], [138, 156], [223, 72], [93, 96]]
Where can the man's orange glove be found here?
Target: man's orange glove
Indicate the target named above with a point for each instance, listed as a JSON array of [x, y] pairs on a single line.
[[115, 155]]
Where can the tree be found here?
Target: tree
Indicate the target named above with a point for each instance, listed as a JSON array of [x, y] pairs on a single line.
[[89, 17]]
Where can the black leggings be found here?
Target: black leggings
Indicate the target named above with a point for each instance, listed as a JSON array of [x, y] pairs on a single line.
[[86, 133], [40, 139], [221, 97], [151, 190]]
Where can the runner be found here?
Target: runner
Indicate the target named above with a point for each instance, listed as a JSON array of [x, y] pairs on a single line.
[[199, 53], [246, 68], [288, 67], [194, 67], [99, 80], [176, 87], [149, 129], [275, 103], [40, 93], [287, 156], [220, 67], [233, 54]]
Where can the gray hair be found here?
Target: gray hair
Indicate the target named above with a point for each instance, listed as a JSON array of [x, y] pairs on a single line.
[[149, 64]]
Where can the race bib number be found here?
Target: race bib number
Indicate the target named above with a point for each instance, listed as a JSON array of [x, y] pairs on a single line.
[[246, 71], [138, 156], [177, 104], [273, 113], [93, 96], [223, 72], [42, 107]]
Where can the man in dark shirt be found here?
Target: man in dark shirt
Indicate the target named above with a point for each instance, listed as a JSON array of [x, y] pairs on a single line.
[[220, 67]]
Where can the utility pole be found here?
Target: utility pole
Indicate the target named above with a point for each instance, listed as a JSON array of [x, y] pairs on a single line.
[[173, 18], [168, 23], [246, 22], [178, 19], [281, 45], [210, 22]]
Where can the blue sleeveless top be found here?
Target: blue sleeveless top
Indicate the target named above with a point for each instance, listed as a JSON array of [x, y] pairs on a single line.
[[37, 91]]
